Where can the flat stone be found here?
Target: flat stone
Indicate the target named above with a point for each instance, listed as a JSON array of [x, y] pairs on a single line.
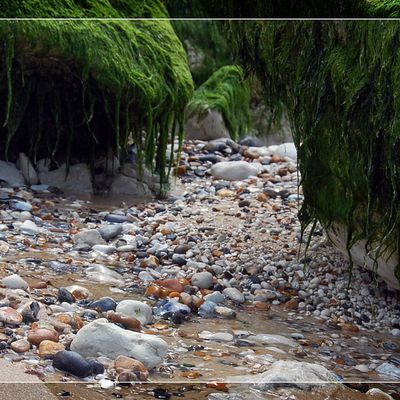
[[234, 170], [225, 312], [216, 336], [91, 237], [20, 346], [203, 280], [104, 248], [100, 338], [234, 294], [14, 281], [288, 374], [9, 316], [29, 228], [274, 339], [36, 336], [136, 309], [109, 232], [123, 184], [79, 178], [215, 297], [48, 349]]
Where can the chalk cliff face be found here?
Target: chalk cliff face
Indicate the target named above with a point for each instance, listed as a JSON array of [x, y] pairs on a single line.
[[76, 90]]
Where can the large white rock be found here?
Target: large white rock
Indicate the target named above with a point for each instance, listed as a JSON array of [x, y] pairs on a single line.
[[10, 174], [101, 338], [289, 373], [79, 179], [386, 267], [269, 339], [91, 237], [136, 309], [14, 281], [284, 150], [234, 170], [123, 184], [28, 170], [208, 127]]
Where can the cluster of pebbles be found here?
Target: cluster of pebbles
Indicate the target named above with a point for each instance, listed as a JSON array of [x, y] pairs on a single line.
[[227, 244]]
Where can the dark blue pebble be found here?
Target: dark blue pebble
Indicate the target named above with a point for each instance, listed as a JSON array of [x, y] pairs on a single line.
[[65, 296], [72, 362], [103, 304]]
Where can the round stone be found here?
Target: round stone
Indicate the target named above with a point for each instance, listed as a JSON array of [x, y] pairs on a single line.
[[48, 349], [37, 336], [9, 316], [72, 362], [203, 280], [21, 346]]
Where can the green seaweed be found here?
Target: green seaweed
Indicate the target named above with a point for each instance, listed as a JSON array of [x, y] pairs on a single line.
[[114, 75], [339, 81], [227, 91]]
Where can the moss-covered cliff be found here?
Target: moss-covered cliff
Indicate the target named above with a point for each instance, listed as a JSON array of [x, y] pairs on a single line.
[[79, 87]]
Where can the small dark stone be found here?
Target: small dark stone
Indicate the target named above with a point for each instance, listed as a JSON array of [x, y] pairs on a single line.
[[235, 157], [190, 289], [270, 193], [34, 310], [365, 318], [97, 368], [179, 260], [64, 393], [255, 279], [228, 275], [244, 203], [390, 346], [103, 304], [49, 300], [209, 157], [115, 218], [244, 343], [251, 141], [141, 254], [65, 296], [218, 287], [182, 249], [3, 345], [200, 172], [284, 193], [395, 359], [177, 317], [171, 236], [161, 394], [72, 362], [195, 347]]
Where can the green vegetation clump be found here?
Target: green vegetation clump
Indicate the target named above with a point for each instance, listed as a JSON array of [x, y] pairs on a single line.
[[274, 8], [339, 81], [227, 91], [74, 88]]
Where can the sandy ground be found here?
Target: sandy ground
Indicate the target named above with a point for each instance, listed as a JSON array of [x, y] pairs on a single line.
[[15, 384]]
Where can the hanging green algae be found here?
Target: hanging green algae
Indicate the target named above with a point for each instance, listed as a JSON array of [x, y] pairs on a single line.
[[228, 92], [206, 46], [275, 8], [76, 88], [339, 81]]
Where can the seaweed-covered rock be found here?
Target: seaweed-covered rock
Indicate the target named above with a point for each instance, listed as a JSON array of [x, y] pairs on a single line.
[[337, 80], [226, 93], [76, 89]]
